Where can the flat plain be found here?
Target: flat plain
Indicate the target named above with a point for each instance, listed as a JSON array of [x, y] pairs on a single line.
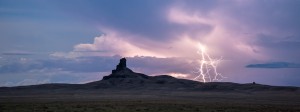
[[152, 101]]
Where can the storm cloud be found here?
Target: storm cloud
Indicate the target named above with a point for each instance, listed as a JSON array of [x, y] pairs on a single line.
[[274, 65], [157, 37]]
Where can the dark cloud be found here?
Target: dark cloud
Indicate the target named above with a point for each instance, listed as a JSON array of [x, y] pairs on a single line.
[[16, 53], [147, 18], [128, 16], [276, 15], [283, 47], [278, 42], [17, 67], [274, 65]]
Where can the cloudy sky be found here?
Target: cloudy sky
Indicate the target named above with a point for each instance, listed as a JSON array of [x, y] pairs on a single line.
[[78, 41]]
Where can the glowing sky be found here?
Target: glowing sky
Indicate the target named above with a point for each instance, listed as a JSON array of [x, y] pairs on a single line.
[[77, 41]]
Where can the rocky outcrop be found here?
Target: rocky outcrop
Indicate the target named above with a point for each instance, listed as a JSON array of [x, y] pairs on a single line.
[[123, 77], [121, 66], [122, 71]]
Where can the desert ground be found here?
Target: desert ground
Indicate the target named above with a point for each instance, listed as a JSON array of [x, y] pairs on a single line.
[[152, 101]]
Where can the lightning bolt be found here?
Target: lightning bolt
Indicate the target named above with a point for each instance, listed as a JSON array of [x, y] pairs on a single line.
[[207, 69]]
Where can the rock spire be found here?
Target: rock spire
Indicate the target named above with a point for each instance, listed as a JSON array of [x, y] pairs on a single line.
[[121, 66]]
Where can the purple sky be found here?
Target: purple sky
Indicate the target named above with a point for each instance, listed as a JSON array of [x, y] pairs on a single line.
[[77, 41]]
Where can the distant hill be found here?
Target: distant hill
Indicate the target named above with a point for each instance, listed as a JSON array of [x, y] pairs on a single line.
[[124, 79]]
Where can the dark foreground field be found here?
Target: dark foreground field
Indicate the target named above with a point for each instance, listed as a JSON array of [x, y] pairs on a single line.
[[153, 102]]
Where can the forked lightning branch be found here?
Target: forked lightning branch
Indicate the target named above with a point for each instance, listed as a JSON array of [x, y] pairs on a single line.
[[207, 69]]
